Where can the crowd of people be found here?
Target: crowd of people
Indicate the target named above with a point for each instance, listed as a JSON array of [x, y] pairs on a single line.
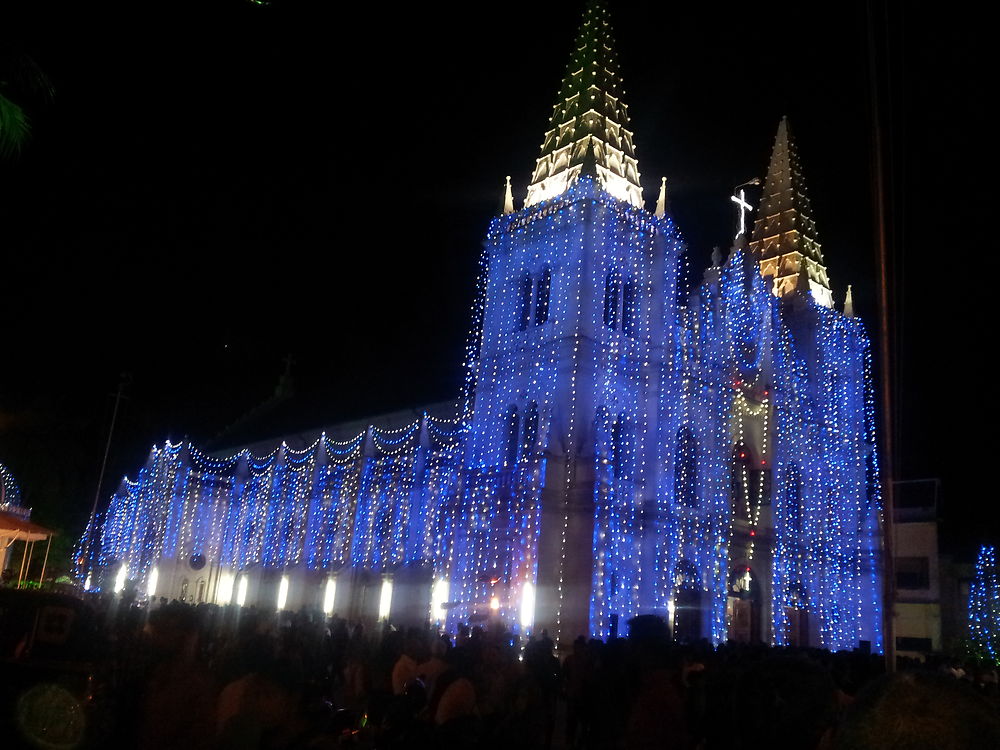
[[192, 677]]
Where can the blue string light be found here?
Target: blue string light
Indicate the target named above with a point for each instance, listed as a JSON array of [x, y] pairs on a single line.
[[621, 445], [984, 605], [563, 374]]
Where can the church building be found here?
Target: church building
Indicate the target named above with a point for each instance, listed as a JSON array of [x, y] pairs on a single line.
[[623, 446]]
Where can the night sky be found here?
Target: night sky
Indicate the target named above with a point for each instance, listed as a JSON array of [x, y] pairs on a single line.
[[213, 188]]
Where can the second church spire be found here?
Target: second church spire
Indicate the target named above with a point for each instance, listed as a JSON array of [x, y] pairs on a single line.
[[784, 235]]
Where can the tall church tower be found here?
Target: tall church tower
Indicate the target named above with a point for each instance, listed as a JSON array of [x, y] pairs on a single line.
[[577, 338], [784, 234]]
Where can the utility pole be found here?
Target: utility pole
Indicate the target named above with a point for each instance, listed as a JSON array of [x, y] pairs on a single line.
[[124, 380], [884, 315]]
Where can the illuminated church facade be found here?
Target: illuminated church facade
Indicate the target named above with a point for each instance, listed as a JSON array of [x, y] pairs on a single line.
[[623, 446]]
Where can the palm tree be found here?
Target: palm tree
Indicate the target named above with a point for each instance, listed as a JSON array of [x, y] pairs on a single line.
[[20, 79], [14, 126]]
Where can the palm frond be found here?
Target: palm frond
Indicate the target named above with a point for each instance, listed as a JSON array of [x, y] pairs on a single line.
[[14, 127]]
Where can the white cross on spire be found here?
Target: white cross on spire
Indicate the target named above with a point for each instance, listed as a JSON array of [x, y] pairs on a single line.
[[744, 207]]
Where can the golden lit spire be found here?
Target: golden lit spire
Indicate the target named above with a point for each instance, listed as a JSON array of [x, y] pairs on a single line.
[[587, 131], [784, 234]]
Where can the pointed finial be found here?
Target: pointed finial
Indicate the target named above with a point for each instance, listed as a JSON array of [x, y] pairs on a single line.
[[661, 202], [716, 257], [508, 199], [849, 303]]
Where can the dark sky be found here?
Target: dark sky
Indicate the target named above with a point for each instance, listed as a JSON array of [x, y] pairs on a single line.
[[216, 185]]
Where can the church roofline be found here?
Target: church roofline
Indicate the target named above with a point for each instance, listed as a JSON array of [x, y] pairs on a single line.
[[297, 439]]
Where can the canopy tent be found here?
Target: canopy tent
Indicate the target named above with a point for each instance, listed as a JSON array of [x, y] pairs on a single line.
[[16, 529]]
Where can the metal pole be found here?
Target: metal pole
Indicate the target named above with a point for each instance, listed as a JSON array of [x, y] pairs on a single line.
[[125, 379], [885, 336], [45, 562]]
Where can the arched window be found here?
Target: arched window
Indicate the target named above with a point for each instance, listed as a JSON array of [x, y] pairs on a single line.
[[622, 450], [793, 501], [542, 296], [525, 318], [510, 457], [628, 308], [612, 285], [530, 430], [686, 468]]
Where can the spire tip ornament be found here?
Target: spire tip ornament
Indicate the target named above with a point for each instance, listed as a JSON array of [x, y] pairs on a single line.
[[661, 201], [508, 199]]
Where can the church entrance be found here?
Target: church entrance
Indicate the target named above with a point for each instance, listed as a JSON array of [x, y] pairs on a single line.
[[687, 618], [366, 595], [743, 606], [796, 627]]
